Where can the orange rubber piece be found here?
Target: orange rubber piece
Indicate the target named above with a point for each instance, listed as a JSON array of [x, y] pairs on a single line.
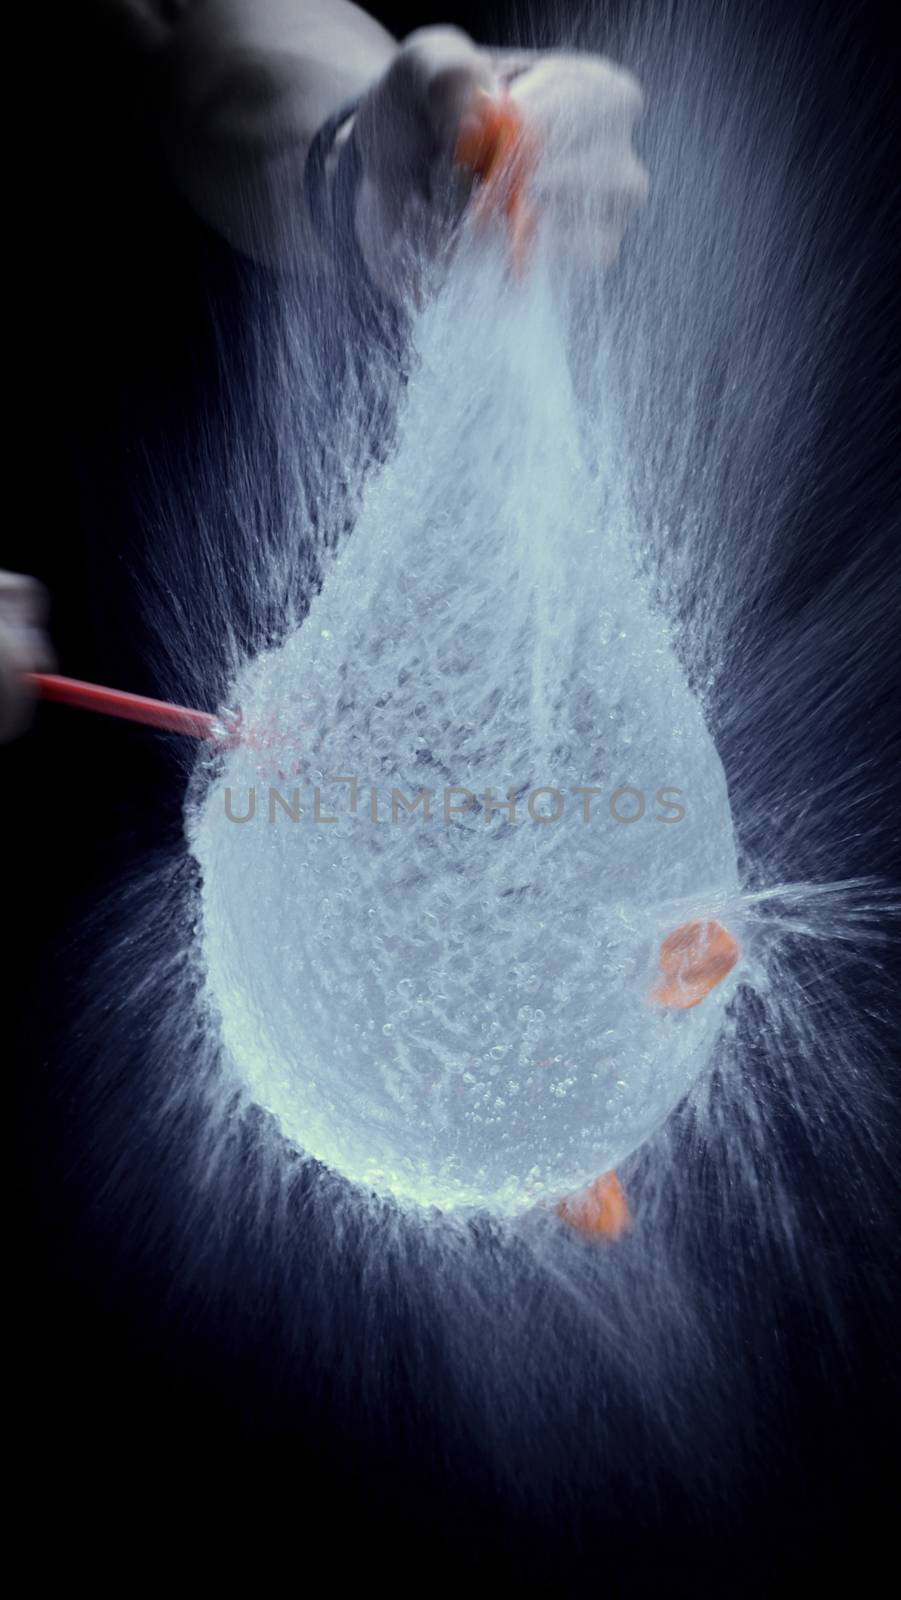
[[598, 1212], [492, 145], [693, 960]]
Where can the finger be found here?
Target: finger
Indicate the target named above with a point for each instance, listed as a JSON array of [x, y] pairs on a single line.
[[451, 93], [40, 654], [579, 100], [589, 76], [15, 696], [440, 68], [23, 600], [605, 187], [510, 64]]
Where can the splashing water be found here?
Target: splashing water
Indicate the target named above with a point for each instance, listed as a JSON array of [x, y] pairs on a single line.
[[569, 547], [454, 1007]]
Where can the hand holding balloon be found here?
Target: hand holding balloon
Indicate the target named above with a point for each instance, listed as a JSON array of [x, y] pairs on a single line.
[[417, 133]]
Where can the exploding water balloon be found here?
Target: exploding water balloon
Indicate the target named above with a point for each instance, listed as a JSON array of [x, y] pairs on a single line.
[[438, 976]]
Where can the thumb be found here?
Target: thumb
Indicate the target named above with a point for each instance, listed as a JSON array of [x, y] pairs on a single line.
[[443, 68]]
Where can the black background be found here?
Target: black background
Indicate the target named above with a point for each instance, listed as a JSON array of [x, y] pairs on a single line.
[[125, 1446]]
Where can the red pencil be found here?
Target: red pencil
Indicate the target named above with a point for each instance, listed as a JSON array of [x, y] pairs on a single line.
[[131, 707]]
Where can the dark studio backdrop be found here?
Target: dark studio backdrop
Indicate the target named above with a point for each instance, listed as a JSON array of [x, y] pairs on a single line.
[[123, 1434]]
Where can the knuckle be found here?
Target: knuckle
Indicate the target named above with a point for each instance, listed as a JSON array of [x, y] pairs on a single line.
[[429, 51], [452, 87]]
